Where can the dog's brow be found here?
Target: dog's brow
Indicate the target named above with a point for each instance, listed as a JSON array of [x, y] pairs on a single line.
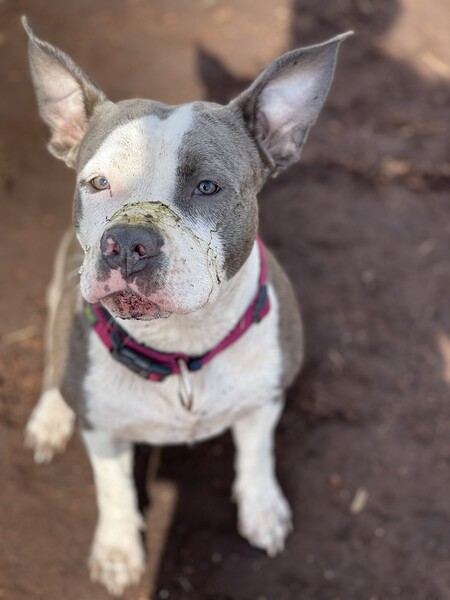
[[141, 143]]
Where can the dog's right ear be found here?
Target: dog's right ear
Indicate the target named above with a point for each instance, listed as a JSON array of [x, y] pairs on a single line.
[[66, 96]]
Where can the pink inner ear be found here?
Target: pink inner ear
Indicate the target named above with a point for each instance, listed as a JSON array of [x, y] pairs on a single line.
[[66, 118], [69, 134], [61, 102], [290, 99]]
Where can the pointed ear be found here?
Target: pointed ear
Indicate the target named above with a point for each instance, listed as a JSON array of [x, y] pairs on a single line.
[[66, 96], [285, 100]]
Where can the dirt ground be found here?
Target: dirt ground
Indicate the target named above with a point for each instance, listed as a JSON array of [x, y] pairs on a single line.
[[362, 225]]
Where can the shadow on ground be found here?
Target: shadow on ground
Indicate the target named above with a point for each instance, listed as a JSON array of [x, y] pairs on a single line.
[[361, 225]]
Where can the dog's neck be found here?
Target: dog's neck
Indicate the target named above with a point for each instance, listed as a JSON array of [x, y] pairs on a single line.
[[198, 332]]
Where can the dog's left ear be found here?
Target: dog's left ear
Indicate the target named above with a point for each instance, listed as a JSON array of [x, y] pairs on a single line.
[[284, 102], [66, 96]]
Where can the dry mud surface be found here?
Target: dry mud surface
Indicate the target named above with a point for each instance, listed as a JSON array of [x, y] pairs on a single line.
[[362, 226]]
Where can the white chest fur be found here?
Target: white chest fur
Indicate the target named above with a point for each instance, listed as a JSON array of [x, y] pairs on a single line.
[[242, 377]]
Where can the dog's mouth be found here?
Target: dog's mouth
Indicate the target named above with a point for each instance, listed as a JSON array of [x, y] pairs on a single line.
[[127, 304]]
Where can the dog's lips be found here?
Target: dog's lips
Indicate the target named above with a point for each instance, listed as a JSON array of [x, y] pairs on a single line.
[[95, 290], [130, 305]]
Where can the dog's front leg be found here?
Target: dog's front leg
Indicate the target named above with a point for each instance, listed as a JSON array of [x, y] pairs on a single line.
[[117, 555], [263, 512]]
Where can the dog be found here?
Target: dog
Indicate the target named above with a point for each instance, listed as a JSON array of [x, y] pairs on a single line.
[[168, 320]]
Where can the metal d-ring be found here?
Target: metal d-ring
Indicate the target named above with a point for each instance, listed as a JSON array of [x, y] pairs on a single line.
[[185, 390]]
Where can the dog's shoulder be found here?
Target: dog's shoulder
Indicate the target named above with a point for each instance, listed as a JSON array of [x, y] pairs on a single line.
[[290, 325], [68, 331]]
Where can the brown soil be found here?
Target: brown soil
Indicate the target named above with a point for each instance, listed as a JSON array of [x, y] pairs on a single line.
[[362, 226]]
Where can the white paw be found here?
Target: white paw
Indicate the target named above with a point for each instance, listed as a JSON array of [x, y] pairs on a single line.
[[116, 560], [264, 517], [49, 427]]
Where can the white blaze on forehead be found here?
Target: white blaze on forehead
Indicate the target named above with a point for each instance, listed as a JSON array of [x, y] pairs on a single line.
[[139, 160]]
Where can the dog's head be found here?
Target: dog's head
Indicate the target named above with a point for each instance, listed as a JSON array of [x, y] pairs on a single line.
[[165, 202]]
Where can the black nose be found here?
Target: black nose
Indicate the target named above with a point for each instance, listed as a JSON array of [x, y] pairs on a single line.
[[130, 247]]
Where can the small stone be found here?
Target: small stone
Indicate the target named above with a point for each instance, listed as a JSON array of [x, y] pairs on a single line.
[[335, 481], [359, 501]]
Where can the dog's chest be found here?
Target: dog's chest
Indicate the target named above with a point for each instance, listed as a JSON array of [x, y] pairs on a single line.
[[235, 382]]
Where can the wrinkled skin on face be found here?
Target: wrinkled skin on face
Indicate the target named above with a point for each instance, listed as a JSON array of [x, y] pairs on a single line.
[[153, 166], [164, 287]]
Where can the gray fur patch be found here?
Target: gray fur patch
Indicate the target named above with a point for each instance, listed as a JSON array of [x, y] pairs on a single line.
[[290, 329], [67, 336], [76, 368], [218, 148], [77, 209]]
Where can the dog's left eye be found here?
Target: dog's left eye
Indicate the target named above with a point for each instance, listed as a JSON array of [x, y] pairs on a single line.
[[206, 188], [99, 183]]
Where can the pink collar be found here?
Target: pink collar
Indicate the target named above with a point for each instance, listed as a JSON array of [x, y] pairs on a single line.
[[156, 366]]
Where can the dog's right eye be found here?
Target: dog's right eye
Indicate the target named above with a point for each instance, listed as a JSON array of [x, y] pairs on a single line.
[[99, 183]]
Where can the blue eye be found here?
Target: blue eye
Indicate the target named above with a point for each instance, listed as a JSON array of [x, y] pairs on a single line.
[[206, 188], [99, 183]]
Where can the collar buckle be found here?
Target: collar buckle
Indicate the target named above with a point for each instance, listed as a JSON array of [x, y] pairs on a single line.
[[140, 364]]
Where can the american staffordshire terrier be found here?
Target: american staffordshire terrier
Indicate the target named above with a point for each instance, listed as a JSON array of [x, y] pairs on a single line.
[[169, 321]]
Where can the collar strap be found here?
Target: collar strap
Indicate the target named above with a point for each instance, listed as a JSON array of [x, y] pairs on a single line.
[[155, 365]]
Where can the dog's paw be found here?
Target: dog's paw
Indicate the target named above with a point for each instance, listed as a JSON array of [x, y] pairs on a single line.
[[116, 563], [49, 427], [264, 518]]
